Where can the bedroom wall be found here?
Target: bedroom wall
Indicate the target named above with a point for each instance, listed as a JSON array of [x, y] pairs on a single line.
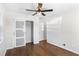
[[70, 29], [66, 31], [2, 40], [8, 18]]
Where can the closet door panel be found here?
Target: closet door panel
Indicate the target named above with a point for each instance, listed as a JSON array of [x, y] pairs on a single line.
[[20, 28]]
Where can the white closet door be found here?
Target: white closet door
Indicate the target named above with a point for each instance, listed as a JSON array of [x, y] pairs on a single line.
[[20, 33]]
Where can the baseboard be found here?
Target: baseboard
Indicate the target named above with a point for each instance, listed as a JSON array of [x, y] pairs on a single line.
[[36, 42], [64, 48], [2, 53], [30, 43], [43, 41]]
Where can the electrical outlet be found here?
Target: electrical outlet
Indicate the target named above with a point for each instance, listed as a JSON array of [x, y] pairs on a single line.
[[64, 44]]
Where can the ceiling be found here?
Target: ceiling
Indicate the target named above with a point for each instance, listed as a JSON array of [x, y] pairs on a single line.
[[58, 8]]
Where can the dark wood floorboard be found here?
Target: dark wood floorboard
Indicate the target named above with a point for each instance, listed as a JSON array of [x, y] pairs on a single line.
[[41, 49]]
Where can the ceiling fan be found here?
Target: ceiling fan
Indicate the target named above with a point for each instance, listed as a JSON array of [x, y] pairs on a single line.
[[40, 9]]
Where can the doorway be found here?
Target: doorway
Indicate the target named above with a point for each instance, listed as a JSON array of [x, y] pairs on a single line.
[[29, 32], [25, 30]]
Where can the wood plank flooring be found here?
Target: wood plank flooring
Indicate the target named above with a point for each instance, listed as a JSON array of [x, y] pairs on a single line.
[[41, 49]]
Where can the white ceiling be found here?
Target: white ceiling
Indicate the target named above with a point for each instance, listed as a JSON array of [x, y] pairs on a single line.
[[58, 8]]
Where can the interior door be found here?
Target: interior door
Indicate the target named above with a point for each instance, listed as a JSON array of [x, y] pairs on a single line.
[[20, 33]]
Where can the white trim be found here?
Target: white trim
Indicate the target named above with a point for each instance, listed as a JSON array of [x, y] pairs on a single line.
[[2, 53], [19, 29], [64, 47], [10, 48], [36, 42], [24, 33], [36, 21], [14, 34], [17, 38]]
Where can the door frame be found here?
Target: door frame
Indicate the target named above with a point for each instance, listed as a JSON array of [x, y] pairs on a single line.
[[20, 37], [35, 21]]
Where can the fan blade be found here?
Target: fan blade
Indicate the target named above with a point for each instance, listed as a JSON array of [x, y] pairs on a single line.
[[49, 10], [34, 14], [30, 10], [43, 14]]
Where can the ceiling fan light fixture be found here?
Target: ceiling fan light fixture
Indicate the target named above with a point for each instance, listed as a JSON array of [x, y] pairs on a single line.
[[40, 9]]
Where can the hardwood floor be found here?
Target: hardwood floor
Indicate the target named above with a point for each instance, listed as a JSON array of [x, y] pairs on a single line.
[[41, 49]]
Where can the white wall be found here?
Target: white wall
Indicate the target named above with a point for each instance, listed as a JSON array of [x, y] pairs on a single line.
[[8, 28], [2, 41], [9, 20], [67, 32], [54, 31], [70, 29]]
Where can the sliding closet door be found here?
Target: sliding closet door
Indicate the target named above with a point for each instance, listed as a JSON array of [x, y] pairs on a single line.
[[20, 33]]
